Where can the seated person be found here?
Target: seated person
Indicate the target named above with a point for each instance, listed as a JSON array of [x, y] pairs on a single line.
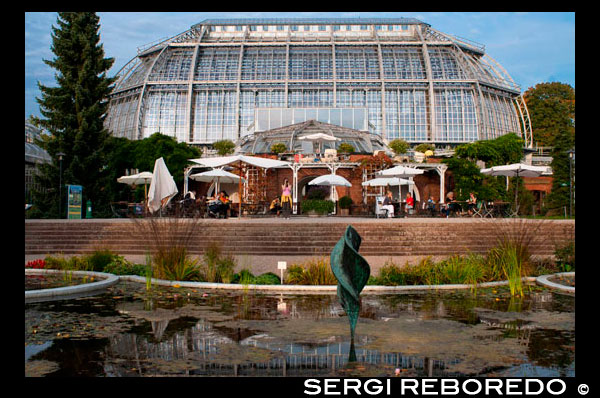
[[451, 205], [220, 205], [431, 205], [190, 195], [275, 206], [387, 204], [471, 203]]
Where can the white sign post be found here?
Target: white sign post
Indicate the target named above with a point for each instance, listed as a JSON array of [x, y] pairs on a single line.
[[281, 265]]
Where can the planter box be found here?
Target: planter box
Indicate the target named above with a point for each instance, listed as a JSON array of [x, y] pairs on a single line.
[[344, 212]]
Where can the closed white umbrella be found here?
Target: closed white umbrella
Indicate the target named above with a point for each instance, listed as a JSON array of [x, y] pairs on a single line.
[[516, 170], [162, 186]]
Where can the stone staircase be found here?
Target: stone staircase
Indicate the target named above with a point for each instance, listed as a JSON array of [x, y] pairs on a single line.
[[303, 237]]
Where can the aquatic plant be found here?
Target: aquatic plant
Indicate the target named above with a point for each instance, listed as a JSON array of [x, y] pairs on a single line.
[[148, 272]]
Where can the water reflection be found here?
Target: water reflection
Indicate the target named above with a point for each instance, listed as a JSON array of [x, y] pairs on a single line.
[[183, 332]]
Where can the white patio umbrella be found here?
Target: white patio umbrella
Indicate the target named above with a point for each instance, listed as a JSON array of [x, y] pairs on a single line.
[[217, 176], [515, 170], [385, 181], [264, 163], [319, 138], [331, 180], [400, 172], [145, 177], [162, 186]]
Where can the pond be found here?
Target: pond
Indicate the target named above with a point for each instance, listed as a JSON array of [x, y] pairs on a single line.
[[126, 331], [55, 280]]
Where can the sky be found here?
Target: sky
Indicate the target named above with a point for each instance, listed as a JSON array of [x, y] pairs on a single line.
[[533, 47]]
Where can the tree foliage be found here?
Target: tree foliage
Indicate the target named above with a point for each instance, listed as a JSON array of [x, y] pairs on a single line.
[[224, 147], [73, 113], [551, 109], [467, 176], [399, 146]]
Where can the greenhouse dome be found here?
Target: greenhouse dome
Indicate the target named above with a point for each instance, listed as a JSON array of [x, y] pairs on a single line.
[[399, 77]]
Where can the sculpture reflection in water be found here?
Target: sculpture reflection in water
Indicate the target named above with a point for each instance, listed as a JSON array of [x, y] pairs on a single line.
[[352, 272]]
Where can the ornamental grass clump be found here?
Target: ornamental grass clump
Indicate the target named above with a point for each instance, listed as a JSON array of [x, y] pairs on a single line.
[[168, 241], [216, 266], [311, 272]]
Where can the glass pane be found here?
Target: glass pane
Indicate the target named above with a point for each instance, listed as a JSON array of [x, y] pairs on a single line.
[[275, 118], [335, 116], [359, 119], [262, 117], [347, 118], [299, 115], [286, 117], [323, 115], [311, 114]]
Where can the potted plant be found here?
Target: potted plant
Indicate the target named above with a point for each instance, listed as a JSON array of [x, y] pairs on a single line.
[[345, 203], [278, 148]]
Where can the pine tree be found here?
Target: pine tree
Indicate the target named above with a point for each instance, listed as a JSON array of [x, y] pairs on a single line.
[[73, 112]]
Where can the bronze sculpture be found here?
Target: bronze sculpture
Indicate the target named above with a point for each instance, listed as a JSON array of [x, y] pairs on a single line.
[[352, 273]]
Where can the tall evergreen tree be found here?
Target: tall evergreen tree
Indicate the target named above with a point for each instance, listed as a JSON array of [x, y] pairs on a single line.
[[74, 111]]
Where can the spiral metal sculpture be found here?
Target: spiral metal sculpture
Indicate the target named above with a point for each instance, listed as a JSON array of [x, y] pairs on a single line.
[[352, 272]]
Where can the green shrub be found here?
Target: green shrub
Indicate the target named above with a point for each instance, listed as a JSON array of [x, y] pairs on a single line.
[[345, 147], [245, 277], [268, 278], [345, 202], [565, 257], [399, 146], [55, 262], [100, 259], [317, 205], [120, 266], [278, 148]]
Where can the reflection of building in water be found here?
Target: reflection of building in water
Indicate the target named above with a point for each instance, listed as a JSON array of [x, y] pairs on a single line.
[[200, 347]]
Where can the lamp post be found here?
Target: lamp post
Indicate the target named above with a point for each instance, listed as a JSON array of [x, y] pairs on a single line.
[[60, 158], [571, 153]]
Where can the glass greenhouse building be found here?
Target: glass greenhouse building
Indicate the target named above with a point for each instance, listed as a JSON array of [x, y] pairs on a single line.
[[391, 77]]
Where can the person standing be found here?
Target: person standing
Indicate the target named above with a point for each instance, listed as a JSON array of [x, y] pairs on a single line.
[[286, 198], [410, 203]]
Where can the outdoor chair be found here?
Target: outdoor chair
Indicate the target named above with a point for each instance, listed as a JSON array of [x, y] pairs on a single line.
[[488, 211], [479, 210], [512, 211], [380, 211]]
